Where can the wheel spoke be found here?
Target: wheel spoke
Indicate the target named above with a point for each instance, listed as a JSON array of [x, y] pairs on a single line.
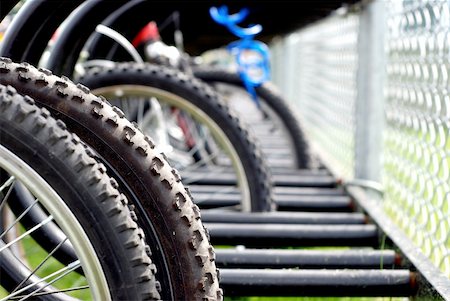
[[78, 288], [40, 265], [70, 267], [63, 272], [16, 221], [45, 221], [10, 182], [7, 183]]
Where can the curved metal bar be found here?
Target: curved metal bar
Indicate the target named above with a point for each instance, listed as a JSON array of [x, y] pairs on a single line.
[[31, 29], [120, 40], [101, 45]]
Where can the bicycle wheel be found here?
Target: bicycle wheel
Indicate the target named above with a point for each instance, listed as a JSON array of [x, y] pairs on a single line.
[[179, 243], [206, 142], [275, 109], [37, 151]]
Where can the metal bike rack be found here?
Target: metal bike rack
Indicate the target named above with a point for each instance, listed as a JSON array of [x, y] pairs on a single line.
[[214, 178], [263, 282], [277, 217], [253, 262], [306, 259], [283, 235], [286, 198]]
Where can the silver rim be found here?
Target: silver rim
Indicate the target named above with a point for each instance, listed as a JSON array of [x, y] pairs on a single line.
[[62, 215], [164, 97]]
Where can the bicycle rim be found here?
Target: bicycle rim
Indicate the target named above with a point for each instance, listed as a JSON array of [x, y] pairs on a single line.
[[62, 215], [117, 92]]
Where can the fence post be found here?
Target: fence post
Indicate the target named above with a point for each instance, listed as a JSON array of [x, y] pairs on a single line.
[[370, 85]]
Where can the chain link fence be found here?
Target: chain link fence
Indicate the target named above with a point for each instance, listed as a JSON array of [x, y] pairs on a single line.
[[320, 64], [319, 69], [417, 140]]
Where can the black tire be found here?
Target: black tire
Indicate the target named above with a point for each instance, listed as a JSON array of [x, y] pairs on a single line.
[[180, 244], [44, 145], [273, 100], [204, 99]]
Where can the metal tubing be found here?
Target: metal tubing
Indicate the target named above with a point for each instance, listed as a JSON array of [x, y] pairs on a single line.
[[316, 191], [214, 178], [304, 181], [211, 199], [137, 10], [306, 259], [273, 160], [283, 217], [207, 200], [266, 140], [297, 191], [303, 172], [280, 171], [216, 200], [324, 283], [313, 203], [279, 235]]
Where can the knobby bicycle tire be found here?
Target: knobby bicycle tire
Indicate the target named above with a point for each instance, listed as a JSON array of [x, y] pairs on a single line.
[[204, 99], [179, 243], [44, 144]]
